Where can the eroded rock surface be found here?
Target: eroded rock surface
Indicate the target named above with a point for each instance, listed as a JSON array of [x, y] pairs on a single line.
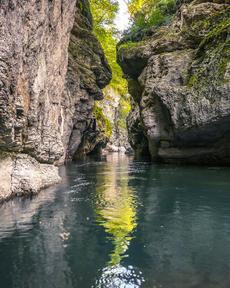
[[46, 101], [179, 78], [21, 174], [115, 108], [88, 73]]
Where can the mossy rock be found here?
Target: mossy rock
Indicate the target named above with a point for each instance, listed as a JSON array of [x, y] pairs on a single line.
[[103, 124], [213, 54]]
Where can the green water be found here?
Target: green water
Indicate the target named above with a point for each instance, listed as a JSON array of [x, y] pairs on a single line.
[[121, 223]]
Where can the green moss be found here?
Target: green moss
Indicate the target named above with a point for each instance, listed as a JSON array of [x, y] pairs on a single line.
[[220, 31], [193, 80], [130, 45], [103, 123], [124, 109], [203, 28], [213, 54], [222, 68], [201, 25]]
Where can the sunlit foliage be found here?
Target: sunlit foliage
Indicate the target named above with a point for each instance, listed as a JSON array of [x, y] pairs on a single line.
[[124, 109], [104, 13], [102, 122], [148, 13]]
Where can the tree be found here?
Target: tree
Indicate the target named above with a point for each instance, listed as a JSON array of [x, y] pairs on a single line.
[[104, 13], [148, 13]]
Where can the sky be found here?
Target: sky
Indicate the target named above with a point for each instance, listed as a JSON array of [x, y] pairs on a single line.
[[122, 19]]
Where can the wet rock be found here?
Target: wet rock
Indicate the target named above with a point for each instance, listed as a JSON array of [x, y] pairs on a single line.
[[21, 174]]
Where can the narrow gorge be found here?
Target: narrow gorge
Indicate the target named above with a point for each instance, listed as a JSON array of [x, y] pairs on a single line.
[[53, 69], [114, 143]]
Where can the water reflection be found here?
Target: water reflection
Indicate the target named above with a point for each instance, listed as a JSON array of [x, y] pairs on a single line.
[[116, 208], [111, 221], [18, 214]]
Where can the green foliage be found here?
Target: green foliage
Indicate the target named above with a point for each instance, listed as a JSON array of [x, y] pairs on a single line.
[[124, 109], [103, 123], [104, 13], [148, 13], [129, 44]]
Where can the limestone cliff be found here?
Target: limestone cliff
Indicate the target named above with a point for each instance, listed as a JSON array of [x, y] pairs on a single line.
[[116, 109], [107, 131], [179, 77], [88, 73], [45, 103]]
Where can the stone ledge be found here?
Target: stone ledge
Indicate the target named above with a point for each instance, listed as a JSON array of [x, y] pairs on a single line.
[[22, 175]]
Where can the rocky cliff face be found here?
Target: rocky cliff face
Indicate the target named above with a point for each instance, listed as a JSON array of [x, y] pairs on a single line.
[[116, 108], [179, 77], [88, 73], [45, 103]]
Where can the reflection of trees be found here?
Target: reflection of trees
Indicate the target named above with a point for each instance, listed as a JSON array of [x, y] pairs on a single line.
[[116, 208], [116, 212]]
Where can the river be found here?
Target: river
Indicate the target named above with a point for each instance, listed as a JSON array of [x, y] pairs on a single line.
[[119, 223]]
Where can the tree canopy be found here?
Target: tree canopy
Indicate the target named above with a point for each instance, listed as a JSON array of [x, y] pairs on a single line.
[[104, 13], [148, 13], [144, 14]]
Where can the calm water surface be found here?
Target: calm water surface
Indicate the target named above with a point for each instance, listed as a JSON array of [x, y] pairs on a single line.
[[120, 223]]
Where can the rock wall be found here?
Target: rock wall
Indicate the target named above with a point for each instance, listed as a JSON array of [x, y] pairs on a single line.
[[115, 108], [88, 73], [107, 131], [45, 103], [179, 77]]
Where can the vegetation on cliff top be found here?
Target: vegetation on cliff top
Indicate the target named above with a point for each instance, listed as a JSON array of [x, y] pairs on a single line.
[[104, 13], [215, 45], [148, 13]]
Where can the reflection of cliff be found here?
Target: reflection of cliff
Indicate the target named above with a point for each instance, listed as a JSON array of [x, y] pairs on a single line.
[[31, 246], [13, 214], [116, 208]]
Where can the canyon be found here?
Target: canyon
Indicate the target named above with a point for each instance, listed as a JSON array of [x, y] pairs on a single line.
[[53, 69]]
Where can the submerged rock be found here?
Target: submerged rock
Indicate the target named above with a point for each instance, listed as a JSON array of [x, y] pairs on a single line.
[[179, 78]]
